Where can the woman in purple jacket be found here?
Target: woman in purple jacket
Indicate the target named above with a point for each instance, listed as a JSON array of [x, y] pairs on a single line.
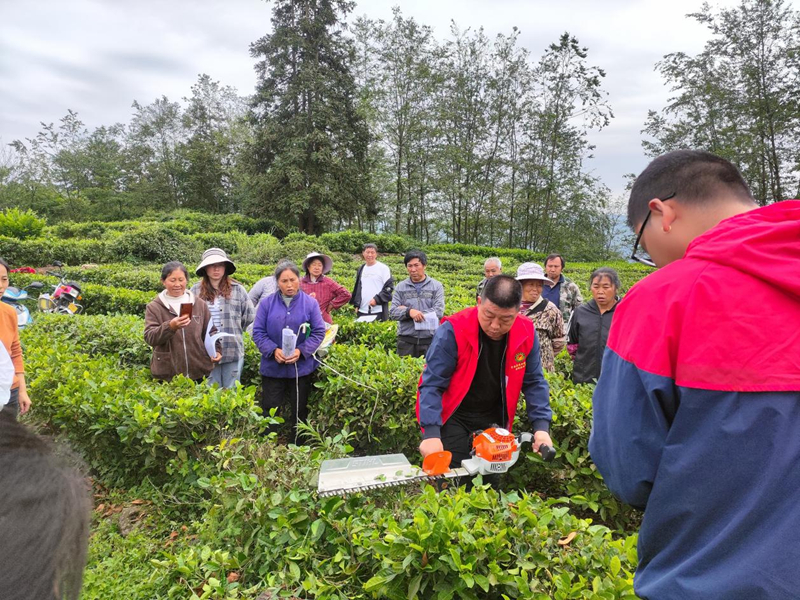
[[287, 379]]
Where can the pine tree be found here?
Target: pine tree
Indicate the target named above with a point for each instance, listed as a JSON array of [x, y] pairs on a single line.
[[309, 152]]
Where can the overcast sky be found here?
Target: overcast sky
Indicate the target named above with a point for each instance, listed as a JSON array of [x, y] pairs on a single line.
[[97, 56]]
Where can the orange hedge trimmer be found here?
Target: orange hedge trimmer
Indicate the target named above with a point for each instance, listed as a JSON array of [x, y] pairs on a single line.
[[494, 450]]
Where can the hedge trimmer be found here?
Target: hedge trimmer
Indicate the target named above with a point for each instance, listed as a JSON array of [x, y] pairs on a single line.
[[494, 450]]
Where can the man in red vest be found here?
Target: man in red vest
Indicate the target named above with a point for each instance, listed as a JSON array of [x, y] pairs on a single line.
[[479, 361]]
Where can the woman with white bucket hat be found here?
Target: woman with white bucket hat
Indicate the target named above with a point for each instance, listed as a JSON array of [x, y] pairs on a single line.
[[231, 310], [545, 315]]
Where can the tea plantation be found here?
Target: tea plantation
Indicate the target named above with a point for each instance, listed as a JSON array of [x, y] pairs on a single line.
[[193, 501]]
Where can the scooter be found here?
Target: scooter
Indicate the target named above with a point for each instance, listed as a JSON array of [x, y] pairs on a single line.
[[15, 297], [64, 296]]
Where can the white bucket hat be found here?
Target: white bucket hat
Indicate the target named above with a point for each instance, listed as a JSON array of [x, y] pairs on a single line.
[[327, 263], [533, 271], [214, 256]]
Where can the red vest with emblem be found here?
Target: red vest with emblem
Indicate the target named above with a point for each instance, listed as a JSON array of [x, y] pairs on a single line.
[[520, 342]]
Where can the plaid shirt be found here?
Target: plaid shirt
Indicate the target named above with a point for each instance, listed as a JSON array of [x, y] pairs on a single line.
[[328, 294], [231, 315]]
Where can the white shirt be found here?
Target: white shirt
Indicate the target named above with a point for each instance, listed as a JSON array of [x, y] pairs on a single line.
[[372, 280], [6, 376]]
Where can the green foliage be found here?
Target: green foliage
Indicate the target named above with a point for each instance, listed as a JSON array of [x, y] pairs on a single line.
[[487, 251], [154, 243], [353, 242], [125, 424], [20, 224], [398, 544]]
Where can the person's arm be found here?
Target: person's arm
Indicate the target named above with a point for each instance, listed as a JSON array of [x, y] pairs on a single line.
[[255, 293], [260, 336], [441, 358], [355, 297], [156, 333], [632, 412], [385, 295], [537, 393], [309, 345], [438, 301], [557, 332], [397, 311], [577, 299], [19, 371], [340, 295], [248, 310]]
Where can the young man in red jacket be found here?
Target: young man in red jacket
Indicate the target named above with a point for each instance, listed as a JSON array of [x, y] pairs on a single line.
[[697, 409], [478, 362]]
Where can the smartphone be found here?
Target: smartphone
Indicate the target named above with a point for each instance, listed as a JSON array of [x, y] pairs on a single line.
[[186, 309]]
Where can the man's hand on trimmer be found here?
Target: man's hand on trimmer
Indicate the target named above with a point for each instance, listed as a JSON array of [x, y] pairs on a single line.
[[431, 445]]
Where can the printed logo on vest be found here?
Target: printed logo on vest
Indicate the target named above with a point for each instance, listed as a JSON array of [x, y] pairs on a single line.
[[519, 357]]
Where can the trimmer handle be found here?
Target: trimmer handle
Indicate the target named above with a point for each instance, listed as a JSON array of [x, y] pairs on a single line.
[[548, 453]]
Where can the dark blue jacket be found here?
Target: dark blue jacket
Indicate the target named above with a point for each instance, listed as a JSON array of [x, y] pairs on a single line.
[[272, 316], [697, 413]]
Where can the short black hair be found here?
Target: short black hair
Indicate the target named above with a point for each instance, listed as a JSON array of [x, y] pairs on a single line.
[[694, 176], [412, 254], [503, 290], [174, 265], [612, 275], [45, 513], [369, 245], [553, 257]]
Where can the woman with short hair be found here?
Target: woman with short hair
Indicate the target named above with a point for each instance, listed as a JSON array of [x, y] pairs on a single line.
[[231, 310], [545, 315], [590, 324], [328, 294], [175, 325], [286, 379]]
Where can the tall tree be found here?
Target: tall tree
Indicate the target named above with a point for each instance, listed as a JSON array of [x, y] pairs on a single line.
[[738, 97], [310, 142]]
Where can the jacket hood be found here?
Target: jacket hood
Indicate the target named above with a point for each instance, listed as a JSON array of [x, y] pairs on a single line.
[[763, 243]]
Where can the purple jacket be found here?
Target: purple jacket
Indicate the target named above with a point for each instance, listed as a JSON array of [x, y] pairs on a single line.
[[272, 316]]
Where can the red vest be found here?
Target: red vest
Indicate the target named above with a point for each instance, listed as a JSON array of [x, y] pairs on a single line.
[[520, 342]]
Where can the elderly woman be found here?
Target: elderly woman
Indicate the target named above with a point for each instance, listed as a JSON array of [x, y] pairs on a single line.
[[328, 294], [590, 323], [545, 315], [175, 325], [286, 379], [231, 310]]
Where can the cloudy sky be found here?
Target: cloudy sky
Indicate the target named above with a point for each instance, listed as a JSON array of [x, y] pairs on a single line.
[[97, 56]]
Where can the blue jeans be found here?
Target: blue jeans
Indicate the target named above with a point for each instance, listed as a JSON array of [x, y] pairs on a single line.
[[226, 374]]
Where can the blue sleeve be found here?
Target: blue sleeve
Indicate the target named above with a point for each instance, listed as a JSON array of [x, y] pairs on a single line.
[[309, 345], [441, 358], [260, 334], [632, 415], [536, 390]]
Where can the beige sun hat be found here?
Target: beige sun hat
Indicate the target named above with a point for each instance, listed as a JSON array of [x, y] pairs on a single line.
[[532, 271], [327, 263], [214, 256]]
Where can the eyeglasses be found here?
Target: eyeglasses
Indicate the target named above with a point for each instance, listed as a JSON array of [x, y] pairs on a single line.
[[644, 257]]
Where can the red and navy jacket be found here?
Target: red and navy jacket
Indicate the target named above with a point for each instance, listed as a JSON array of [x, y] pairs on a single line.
[[697, 413], [452, 360]]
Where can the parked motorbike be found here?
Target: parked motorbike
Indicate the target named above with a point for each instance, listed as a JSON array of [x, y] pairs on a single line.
[[15, 297], [64, 297]]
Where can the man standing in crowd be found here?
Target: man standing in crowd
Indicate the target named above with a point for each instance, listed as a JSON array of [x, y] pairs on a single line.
[[417, 306], [565, 293], [491, 267], [479, 361], [374, 286], [697, 409]]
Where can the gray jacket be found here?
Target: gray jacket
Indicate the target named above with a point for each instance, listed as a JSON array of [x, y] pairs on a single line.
[[405, 297]]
